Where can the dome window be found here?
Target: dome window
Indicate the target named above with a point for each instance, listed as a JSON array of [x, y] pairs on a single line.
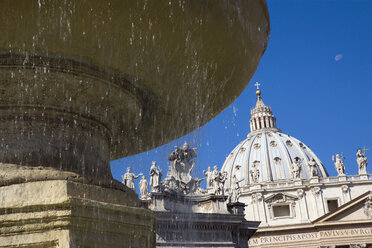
[[277, 160], [289, 143], [273, 143], [256, 146]]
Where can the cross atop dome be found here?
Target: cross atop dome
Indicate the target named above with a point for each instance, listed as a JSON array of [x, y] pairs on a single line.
[[258, 92]]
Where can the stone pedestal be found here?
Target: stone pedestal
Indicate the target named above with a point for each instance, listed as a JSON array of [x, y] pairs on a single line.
[[61, 213]]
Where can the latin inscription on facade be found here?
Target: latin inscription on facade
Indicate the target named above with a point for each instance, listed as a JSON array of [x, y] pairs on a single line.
[[309, 236]]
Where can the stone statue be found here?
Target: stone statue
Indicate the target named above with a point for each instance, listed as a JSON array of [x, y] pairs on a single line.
[[296, 168], [255, 171], [218, 181], [209, 176], [128, 178], [362, 162], [144, 188], [339, 164], [235, 190], [155, 177], [312, 167], [181, 164]]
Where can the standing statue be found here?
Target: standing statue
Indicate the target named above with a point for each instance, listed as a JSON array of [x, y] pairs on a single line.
[[362, 162], [144, 188], [209, 176], [155, 179], [312, 167], [235, 190], [218, 181], [255, 171], [339, 164], [181, 164], [128, 178], [296, 168]]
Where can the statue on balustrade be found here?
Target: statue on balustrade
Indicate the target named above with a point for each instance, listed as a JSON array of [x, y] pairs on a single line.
[[362, 162], [155, 177], [339, 164], [144, 188], [128, 178], [312, 167]]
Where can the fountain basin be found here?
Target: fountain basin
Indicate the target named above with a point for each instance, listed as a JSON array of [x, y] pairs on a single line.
[[86, 82]]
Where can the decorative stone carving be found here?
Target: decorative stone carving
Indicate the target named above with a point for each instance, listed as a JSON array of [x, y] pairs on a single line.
[[339, 164], [256, 197], [155, 177], [209, 175], [181, 164], [128, 178], [300, 193], [312, 167], [255, 171], [316, 191], [296, 168], [358, 245], [368, 207], [144, 188], [280, 199], [234, 190], [345, 189], [362, 162]]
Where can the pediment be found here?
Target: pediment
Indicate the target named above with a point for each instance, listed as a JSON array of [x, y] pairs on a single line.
[[280, 198], [358, 209]]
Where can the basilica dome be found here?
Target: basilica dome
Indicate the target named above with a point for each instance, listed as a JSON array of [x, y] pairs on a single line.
[[268, 155]]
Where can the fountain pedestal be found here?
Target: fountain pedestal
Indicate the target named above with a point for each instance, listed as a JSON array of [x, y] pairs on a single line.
[[65, 214]]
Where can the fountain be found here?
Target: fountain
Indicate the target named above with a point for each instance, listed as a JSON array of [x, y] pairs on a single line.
[[84, 82]]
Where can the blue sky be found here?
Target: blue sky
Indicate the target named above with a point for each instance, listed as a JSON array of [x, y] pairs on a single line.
[[316, 74]]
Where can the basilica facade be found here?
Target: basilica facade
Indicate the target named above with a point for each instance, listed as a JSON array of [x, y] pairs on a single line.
[[285, 186]]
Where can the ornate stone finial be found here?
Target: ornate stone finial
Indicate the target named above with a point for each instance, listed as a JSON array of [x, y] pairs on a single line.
[[339, 164], [362, 160]]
